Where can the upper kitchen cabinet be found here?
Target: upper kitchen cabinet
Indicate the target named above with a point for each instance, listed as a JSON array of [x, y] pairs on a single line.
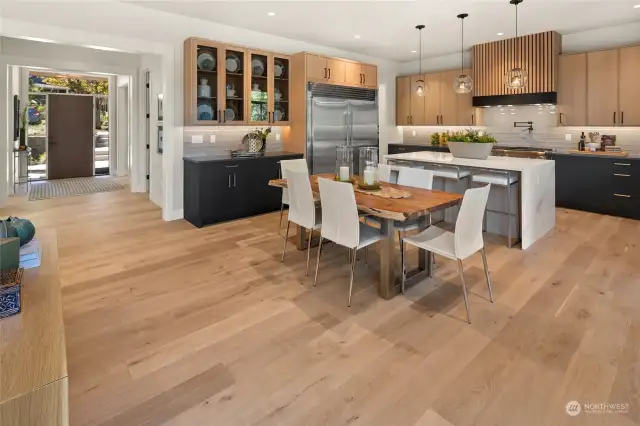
[[230, 85], [340, 71], [203, 83], [572, 90], [602, 88], [439, 106], [269, 92], [403, 101], [630, 86]]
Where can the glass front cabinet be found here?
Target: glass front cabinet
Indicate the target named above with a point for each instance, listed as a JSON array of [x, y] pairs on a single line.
[[227, 85]]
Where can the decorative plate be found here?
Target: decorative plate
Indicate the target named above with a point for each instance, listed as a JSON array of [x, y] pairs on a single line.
[[206, 61], [233, 63], [230, 113], [257, 67], [278, 69], [205, 112], [374, 187]]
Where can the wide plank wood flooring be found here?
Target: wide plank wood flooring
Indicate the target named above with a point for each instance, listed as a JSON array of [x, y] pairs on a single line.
[[167, 324]]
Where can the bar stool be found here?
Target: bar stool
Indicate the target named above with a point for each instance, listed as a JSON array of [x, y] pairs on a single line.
[[452, 174], [502, 179]]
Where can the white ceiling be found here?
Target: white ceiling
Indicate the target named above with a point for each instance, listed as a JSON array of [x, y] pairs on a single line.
[[387, 28]]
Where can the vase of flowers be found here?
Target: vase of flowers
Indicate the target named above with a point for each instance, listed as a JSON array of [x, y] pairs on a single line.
[[471, 144]]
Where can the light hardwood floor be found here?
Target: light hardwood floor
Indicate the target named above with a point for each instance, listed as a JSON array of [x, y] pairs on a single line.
[[169, 324]]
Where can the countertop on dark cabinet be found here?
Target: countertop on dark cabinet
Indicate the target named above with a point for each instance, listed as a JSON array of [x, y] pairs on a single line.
[[211, 157]]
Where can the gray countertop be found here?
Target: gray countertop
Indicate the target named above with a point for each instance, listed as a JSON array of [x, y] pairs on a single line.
[[204, 157]]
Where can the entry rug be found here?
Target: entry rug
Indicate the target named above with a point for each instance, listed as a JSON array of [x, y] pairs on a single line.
[[71, 187]]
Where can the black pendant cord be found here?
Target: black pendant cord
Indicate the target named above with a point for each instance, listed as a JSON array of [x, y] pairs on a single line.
[[517, 49], [419, 28], [462, 50]]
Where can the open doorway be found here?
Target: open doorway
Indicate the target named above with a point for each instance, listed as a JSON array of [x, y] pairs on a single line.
[[68, 125]]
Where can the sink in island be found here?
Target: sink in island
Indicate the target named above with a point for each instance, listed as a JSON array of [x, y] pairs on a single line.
[[536, 179]]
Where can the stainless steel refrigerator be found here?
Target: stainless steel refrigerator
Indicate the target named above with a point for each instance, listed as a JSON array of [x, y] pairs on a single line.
[[336, 116]]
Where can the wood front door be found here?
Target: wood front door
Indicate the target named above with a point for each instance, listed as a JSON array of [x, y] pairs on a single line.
[[70, 136]]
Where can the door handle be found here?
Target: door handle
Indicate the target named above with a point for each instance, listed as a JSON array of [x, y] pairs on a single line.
[[360, 78], [622, 117], [234, 180], [614, 117], [268, 117], [621, 174], [364, 79], [229, 180], [473, 119], [325, 73], [329, 73], [561, 118]]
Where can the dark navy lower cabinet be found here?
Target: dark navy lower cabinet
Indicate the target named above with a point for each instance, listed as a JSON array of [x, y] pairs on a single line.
[[221, 190], [606, 185]]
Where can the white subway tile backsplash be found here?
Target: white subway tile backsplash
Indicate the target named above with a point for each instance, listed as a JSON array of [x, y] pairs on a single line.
[[546, 133]]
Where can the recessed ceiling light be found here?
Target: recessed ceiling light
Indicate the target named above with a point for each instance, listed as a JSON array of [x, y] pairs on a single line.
[[356, 36], [500, 34], [271, 14], [637, 6], [414, 51]]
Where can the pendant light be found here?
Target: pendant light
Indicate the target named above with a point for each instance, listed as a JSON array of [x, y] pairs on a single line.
[[462, 83], [516, 78], [421, 86]]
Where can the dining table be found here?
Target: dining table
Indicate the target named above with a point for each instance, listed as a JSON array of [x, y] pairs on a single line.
[[417, 204]]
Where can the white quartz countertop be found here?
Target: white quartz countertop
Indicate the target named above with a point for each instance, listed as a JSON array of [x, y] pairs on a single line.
[[498, 163]]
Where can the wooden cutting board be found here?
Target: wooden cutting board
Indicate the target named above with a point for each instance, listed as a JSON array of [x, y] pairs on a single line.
[[613, 154]]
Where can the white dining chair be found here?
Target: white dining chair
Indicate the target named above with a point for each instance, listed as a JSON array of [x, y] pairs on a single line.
[[300, 165], [463, 242], [302, 208], [341, 224], [384, 173]]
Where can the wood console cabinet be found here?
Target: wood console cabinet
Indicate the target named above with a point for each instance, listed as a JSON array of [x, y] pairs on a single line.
[[220, 190], [439, 106], [245, 87]]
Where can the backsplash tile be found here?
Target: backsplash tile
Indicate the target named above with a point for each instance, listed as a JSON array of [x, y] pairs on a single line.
[[226, 138], [546, 134]]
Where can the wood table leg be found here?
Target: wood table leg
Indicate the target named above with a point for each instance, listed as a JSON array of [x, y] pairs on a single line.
[[301, 238], [387, 285], [425, 260]]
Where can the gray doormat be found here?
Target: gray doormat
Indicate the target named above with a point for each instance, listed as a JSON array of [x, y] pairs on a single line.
[[71, 187]]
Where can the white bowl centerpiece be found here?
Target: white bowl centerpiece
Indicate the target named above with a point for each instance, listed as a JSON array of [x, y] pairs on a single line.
[[471, 144]]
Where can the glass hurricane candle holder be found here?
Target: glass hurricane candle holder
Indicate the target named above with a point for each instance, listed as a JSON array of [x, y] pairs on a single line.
[[344, 162], [368, 166]]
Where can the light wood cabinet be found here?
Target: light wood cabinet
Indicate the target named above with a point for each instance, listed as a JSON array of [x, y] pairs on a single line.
[[336, 70], [230, 85], [403, 101], [353, 73], [630, 86], [316, 67], [466, 113], [602, 88], [370, 76], [418, 103], [448, 99], [440, 105], [572, 90]]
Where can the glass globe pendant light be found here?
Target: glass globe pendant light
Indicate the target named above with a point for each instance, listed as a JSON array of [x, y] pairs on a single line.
[[421, 86], [462, 83], [516, 78]]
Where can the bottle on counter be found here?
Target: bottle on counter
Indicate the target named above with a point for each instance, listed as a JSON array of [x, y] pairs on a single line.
[[581, 144]]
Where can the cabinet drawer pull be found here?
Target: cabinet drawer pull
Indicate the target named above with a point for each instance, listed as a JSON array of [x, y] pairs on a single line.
[[231, 167], [622, 195], [622, 164], [621, 174]]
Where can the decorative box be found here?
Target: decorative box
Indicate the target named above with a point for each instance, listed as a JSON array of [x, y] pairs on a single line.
[[10, 292], [9, 253]]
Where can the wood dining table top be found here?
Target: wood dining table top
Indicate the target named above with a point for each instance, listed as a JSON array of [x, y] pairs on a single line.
[[422, 202]]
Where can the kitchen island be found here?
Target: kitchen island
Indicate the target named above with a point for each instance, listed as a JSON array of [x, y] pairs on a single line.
[[536, 201]]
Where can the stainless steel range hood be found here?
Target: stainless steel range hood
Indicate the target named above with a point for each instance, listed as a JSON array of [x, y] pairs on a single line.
[[537, 53]]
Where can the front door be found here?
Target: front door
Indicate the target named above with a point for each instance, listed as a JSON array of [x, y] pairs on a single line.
[[71, 150]]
